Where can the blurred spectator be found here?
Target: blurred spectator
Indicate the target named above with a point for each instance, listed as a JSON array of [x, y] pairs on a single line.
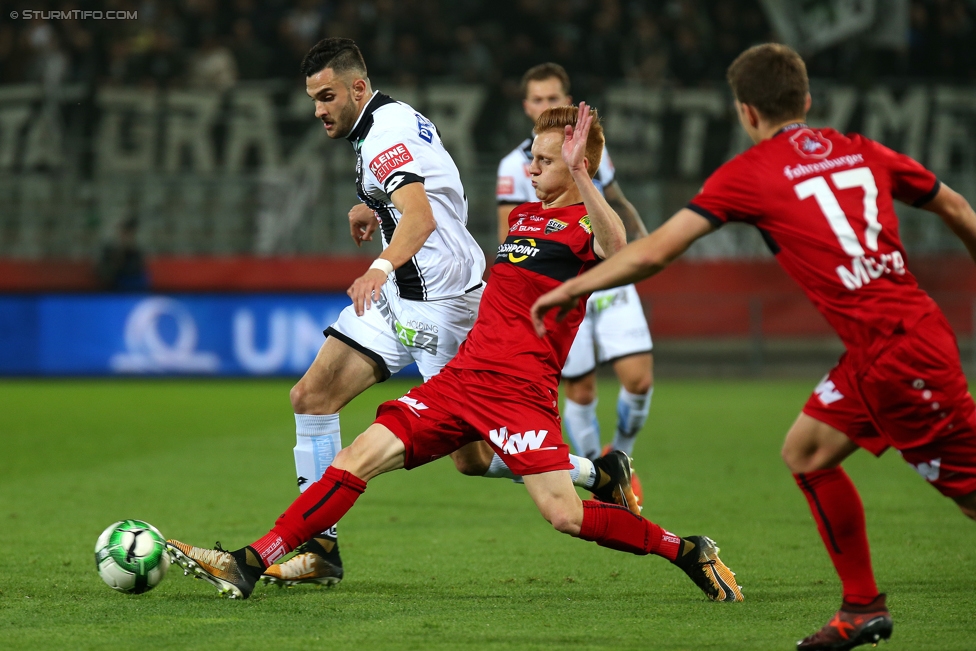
[[48, 62], [379, 46], [161, 65], [471, 61], [253, 59], [409, 68], [602, 44], [689, 62], [212, 66], [82, 53], [121, 266], [645, 53], [212, 43], [302, 26], [955, 40], [11, 55]]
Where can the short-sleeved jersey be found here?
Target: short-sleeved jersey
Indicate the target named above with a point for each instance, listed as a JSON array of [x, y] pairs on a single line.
[[544, 248], [515, 183], [823, 202], [395, 146]]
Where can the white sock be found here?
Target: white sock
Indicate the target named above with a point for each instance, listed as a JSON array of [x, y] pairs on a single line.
[[318, 442], [632, 409], [583, 472], [498, 469], [582, 428]]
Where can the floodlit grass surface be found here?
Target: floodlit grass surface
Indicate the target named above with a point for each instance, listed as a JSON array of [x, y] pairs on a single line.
[[435, 560]]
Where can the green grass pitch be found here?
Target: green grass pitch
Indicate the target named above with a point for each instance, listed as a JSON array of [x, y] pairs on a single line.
[[435, 560]]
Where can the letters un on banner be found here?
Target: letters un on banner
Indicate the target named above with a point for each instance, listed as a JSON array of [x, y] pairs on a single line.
[[163, 335]]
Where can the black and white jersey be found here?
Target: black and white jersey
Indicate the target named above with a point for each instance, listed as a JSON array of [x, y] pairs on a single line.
[[515, 183], [395, 146]]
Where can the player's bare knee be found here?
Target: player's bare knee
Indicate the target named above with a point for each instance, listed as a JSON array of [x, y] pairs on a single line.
[[638, 385], [297, 397], [374, 452], [799, 458], [345, 460], [470, 466], [795, 461], [581, 391], [358, 457], [306, 399]]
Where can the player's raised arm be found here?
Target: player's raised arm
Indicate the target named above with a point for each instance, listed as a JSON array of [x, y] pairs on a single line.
[[957, 214], [639, 260], [413, 229], [608, 229]]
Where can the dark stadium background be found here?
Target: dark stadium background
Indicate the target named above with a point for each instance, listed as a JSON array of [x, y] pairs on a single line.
[[182, 131]]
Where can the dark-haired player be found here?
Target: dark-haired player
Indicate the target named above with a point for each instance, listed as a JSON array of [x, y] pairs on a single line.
[[501, 388], [419, 298], [823, 202]]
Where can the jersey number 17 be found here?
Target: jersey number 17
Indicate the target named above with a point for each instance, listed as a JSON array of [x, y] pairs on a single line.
[[860, 177]]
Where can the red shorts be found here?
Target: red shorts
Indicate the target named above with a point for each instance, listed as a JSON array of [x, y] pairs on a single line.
[[518, 418], [914, 397]]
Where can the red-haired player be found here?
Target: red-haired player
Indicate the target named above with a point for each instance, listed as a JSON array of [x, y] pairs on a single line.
[[500, 388], [823, 202]]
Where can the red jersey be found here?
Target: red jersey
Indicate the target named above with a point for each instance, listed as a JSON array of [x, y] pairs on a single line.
[[823, 203], [544, 248]]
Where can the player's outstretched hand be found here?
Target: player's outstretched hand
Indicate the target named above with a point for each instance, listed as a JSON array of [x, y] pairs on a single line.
[[366, 289], [574, 145], [362, 223], [558, 297]]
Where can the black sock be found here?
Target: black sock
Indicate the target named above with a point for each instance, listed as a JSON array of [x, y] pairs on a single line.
[[249, 561]]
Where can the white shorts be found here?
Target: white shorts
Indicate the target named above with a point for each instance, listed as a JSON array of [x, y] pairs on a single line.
[[395, 332], [614, 327]]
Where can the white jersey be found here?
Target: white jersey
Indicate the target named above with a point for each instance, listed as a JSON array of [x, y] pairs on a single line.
[[515, 183], [395, 146]]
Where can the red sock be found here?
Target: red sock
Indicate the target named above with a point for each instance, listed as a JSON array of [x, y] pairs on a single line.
[[609, 525], [837, 508], [318, 508], [271, 548]]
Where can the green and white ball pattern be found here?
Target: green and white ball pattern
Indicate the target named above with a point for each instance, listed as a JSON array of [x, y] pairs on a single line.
[[131, 556]]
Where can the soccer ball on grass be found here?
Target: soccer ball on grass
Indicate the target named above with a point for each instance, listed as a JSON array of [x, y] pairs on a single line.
[[131, 556]]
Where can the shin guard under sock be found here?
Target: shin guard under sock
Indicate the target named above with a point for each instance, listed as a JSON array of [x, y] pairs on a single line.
[[317, 443], [632, 410], [582, 428], [837, 509], [609, 525]]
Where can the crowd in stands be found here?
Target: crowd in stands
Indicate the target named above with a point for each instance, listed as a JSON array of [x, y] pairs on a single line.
[[217, 43]]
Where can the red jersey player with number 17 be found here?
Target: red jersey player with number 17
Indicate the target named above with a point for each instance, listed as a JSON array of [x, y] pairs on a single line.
[[823, 202], [500, 388]]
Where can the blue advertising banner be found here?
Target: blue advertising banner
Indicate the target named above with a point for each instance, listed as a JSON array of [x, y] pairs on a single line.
[[236, 335]]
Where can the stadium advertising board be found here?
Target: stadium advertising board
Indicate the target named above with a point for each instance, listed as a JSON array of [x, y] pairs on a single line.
[[163, 335]]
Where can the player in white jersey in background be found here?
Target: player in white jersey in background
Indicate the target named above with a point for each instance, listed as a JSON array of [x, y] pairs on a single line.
[[419, 298], [615, 330]]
